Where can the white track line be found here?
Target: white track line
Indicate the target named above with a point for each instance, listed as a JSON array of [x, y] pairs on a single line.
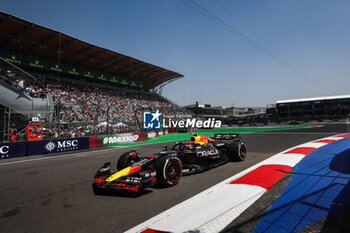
[[73, 155]]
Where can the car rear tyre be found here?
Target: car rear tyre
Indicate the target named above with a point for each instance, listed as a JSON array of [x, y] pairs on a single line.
[[237, 151], [127, 159], [169, 171]]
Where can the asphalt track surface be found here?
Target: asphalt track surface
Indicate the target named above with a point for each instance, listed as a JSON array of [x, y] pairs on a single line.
[[53, 193]]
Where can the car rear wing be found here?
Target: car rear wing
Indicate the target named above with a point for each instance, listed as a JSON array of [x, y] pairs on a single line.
[[227, 136]]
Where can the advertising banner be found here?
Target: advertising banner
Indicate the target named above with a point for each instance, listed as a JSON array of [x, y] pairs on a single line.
[[95, 142], [57, 145], [155, 134], [152, 134], [125, 138], [142, 136], [12, 149], [18, 149]]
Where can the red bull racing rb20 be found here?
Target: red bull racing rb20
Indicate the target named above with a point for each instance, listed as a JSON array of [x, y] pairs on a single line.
[[165, 168]]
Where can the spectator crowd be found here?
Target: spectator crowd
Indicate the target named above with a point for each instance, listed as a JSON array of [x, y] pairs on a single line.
[[87, 108]]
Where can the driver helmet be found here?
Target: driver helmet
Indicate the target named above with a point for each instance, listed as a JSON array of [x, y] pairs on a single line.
[[191, 146]]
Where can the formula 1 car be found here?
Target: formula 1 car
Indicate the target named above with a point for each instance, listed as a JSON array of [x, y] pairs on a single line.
[[165, 168]]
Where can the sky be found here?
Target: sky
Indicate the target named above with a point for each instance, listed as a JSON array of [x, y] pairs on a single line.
[[240, 53]]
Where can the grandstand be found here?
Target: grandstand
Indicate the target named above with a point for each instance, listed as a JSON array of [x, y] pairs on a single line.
[[231, 115], [308, 109], [74, 87]]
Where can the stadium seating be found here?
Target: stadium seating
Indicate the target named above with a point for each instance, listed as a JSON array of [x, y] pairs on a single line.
[[86, 104]]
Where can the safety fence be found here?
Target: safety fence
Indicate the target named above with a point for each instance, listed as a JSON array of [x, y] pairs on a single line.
[[48, 146]]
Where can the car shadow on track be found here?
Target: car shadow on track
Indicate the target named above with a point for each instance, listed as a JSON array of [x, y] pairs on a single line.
[[123, 193], [128, 193]]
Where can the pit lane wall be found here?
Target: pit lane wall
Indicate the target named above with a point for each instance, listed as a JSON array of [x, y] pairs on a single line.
[[20, 149]]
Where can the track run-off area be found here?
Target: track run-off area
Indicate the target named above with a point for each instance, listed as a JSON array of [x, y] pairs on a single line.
[[53, 193]]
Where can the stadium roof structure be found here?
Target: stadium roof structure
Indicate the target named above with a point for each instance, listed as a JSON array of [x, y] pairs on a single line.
[[27, 38], [313, 99]]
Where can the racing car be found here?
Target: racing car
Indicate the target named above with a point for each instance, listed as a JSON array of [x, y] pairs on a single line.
[[165, 168]]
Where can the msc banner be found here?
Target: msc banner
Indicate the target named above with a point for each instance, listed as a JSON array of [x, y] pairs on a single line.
[[12, 149], [57, 145], [18, 149]]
